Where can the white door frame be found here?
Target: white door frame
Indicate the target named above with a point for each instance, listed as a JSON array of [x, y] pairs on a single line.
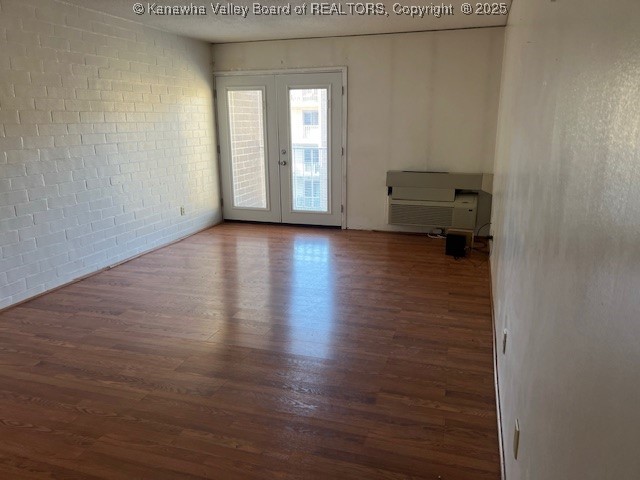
[[342, 70]]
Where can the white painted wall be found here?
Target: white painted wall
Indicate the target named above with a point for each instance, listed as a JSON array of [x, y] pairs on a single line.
[[424, 101], [106, 129], [566, 263]]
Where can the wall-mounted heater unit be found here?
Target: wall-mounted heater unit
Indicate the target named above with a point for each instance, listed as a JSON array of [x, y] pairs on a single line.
[[447, 200]]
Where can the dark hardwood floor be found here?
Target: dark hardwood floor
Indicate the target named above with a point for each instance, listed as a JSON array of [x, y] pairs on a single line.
[[251, 351]]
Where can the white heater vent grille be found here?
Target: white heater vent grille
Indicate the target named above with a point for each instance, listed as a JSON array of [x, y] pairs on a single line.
[[402, 214]]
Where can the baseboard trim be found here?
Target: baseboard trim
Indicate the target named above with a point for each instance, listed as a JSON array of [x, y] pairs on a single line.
[[109, 267], [496, 381]]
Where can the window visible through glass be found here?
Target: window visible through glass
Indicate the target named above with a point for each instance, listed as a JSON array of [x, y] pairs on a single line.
[[310, 117]]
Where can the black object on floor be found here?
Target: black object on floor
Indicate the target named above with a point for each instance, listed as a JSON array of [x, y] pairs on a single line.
[[456, 245]]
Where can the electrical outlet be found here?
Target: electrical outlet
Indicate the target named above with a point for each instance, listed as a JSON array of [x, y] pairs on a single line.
[[182, 211], [504, 341], [516, 439]]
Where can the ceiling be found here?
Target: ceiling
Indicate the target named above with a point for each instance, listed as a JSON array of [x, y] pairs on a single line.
[[217, 28]]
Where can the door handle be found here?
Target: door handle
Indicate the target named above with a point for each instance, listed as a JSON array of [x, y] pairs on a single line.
[[282, 162]]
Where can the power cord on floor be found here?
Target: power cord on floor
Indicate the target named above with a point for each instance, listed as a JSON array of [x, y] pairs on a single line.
[[484, 248], [481, 227]]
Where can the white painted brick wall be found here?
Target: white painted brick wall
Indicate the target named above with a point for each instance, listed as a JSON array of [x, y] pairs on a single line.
[[106, 130]]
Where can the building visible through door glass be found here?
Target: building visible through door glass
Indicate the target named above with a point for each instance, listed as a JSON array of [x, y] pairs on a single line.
[[309, 140], [246, 127]]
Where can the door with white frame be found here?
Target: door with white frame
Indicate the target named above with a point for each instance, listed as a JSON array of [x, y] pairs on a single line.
[[281, 147]]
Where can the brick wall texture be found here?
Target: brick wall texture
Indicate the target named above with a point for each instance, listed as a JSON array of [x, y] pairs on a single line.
[[247, 148], [106, 131]]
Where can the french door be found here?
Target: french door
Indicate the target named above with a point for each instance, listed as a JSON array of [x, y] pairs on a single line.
[[281, 147]]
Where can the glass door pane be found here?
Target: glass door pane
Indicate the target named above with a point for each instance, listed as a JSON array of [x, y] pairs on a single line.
[[309, 141], [246, 131]]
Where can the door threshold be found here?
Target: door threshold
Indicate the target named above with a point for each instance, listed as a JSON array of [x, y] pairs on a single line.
[[304, 225]]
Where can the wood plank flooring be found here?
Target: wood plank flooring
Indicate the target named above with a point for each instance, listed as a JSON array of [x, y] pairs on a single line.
[[257, 352]]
